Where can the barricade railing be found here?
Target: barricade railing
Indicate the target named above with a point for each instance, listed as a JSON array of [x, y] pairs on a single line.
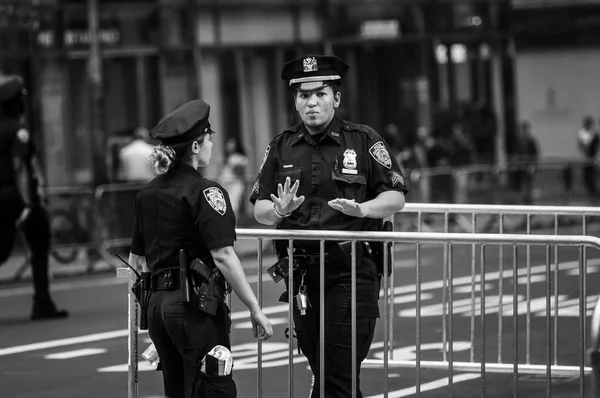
[[450, 360], [70, 216]]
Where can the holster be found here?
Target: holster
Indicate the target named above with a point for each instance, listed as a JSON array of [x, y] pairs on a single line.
[[208, 285], [378, 250], [141, 291]]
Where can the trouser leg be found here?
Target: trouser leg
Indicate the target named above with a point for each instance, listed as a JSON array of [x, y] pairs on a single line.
[[338, 342], [37, 234], [7, 240], [184, 336]]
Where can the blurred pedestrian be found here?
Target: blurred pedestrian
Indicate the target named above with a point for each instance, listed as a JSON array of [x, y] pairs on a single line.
[[233, 174], [181, 210], [526, 154], [346, 180], [431, 154], [462, 153], [22, 195], [587, 142], [134, 158]]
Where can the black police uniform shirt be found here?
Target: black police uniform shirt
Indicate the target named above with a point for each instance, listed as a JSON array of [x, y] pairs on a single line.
[[350, 161], [181, 210], [15, 141]]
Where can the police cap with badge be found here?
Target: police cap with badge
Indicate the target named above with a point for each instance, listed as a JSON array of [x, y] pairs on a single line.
[[184, 124], [10, 86], [312, 72]]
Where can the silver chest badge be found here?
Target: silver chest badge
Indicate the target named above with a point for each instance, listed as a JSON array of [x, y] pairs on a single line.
[[349, 162], [216, 199]]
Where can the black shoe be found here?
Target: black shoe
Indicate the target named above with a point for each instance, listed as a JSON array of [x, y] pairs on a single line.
[[48, 313]]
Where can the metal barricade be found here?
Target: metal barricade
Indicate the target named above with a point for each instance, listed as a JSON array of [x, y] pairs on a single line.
[[475, 279], [70, 216]]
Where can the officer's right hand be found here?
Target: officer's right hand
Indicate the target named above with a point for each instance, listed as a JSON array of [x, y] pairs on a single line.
[[286, 200], [25, 213], [261, 326]]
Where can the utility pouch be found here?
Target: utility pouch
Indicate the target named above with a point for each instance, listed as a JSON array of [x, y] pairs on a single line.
[[209, 287], [280, 270]]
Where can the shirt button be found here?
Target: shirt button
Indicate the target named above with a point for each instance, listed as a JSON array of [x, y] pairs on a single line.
[[317, 147], [316, 169]]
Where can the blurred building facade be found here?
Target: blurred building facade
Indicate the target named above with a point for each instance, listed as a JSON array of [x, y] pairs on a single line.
[[414, 62]]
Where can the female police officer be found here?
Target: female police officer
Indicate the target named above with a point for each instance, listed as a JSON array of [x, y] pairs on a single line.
[[182, 210], [327, 173]]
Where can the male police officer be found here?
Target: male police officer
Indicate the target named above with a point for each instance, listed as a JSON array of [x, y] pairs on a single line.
[[327, 173], [21, 195]]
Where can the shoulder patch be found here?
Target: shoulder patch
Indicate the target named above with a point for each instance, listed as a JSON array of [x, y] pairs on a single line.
[[397, 179], [23, 136], [215, 198], [264, 158], [379, 152]]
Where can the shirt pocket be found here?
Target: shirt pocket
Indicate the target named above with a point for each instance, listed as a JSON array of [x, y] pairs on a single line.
[[350, 186], [294, 173]]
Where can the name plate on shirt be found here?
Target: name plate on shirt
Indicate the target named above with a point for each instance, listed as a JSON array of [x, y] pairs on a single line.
[[348, 171]]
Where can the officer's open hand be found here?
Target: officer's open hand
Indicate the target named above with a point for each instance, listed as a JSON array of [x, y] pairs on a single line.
[[261, 326], [286, 200], [348, 207]]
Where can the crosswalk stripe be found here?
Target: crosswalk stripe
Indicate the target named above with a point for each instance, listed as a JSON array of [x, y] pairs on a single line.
[[76, 353]]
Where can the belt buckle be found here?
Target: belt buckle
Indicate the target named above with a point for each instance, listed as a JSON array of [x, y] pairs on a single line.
[[168, 279]]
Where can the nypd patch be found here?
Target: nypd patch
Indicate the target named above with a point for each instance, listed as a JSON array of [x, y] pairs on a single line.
[[256, 187], [379, 152], [264, 160], [215, 198], [397, 179], [23, 136]]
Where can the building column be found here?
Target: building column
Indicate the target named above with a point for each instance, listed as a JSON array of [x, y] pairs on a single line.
[[52, 104], [210, 79]]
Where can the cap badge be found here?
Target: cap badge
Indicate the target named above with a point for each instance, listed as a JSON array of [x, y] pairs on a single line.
[[310, 64], [397, 179], [216, 200], [379, 152]]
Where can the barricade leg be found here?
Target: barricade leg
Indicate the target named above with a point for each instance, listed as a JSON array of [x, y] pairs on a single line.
[[594, 362]]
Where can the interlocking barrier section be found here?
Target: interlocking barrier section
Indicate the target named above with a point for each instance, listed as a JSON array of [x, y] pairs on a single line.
[[508, 360]]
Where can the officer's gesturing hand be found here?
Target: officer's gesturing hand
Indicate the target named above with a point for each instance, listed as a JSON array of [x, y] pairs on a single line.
[[348, 206], [286, 200], [261, 326]]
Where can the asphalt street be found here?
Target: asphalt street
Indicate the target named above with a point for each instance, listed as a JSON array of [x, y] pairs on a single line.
[[86, 355]]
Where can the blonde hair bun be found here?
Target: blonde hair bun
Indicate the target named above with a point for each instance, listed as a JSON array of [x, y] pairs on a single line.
[[162, 158]]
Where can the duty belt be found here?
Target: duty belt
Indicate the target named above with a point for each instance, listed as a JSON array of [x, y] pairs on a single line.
[[166, 280]]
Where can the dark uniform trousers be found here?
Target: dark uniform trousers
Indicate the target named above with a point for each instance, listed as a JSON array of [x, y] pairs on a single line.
[[338, 321], [36, 230], [183, 336]]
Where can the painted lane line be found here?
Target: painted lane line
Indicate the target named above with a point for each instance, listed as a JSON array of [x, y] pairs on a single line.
[[432, 385], [64, 342], [76, 353], [62, 286]]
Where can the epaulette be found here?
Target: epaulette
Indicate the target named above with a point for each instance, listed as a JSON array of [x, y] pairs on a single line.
[[349, 126]]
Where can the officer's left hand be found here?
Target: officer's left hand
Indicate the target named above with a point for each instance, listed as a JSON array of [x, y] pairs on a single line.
[[348, 206]]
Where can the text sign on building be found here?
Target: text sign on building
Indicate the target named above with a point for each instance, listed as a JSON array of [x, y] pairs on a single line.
[[78, 38], [380, 29]]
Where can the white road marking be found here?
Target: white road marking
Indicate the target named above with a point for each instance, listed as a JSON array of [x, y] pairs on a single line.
[[432, 385], [64, 342], [61, 286], [76, 353]]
